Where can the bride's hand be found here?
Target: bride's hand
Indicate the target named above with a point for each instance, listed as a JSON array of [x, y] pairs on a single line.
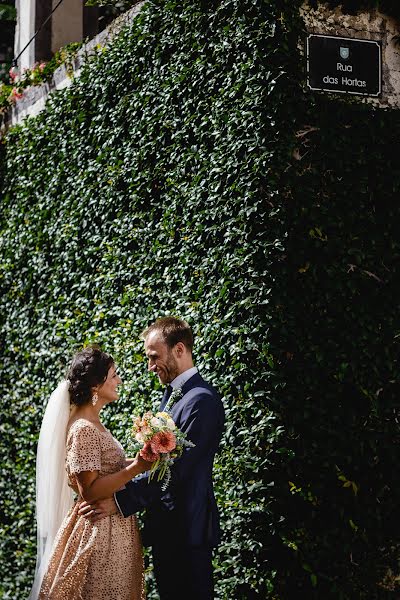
[[144, 465], [98, 510]]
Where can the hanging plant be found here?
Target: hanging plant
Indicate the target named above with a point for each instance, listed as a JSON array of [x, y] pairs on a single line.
[[20, 82]]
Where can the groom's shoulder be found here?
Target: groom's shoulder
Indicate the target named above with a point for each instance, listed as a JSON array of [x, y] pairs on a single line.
[[198, 382], [200, 389]]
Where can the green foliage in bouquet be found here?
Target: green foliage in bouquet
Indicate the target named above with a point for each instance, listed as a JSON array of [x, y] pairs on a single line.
[[188, 171]]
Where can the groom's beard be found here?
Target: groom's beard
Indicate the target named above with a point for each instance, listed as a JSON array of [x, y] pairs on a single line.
[[171, 368]]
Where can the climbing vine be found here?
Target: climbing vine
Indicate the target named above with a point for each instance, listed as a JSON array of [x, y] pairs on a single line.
[[189, 171]]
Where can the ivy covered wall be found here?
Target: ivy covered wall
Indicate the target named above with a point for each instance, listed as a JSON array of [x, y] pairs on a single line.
[[187, 171], [339, 351]]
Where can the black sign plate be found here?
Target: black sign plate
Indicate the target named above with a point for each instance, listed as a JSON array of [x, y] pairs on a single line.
[[345, 65]]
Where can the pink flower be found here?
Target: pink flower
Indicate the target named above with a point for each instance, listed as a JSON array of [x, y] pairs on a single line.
[[163, 441], [148, 453], [13, 72], [15, 94], [42, 66]]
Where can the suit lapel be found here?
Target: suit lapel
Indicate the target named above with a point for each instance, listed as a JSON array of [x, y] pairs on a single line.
[[195, 381]]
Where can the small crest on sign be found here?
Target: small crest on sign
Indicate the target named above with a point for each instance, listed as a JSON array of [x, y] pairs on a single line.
[[344, 52]]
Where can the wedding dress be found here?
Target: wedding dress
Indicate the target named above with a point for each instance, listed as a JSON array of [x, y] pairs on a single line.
[[78, 560], [101, 561]]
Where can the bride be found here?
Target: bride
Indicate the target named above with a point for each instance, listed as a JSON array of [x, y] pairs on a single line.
[[77, 559]]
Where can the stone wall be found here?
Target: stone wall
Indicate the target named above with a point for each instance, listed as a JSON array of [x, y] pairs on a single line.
[[372, 26]]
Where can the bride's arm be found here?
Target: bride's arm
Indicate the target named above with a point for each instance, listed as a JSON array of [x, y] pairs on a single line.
[[92, 487]]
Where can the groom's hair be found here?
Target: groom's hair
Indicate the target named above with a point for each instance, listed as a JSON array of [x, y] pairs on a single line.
[[172, 331]]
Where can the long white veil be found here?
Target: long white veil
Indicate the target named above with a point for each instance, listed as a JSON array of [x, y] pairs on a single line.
[[53, 496]]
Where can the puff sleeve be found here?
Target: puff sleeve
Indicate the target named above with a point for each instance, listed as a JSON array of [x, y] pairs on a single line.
[[83, 449]]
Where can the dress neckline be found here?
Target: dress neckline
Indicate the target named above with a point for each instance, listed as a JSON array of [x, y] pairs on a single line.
[[91, 424]]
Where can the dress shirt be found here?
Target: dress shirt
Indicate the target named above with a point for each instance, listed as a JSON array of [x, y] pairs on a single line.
[[183, 378]]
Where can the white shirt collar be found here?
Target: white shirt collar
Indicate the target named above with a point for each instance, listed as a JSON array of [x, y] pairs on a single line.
[[183, 377]]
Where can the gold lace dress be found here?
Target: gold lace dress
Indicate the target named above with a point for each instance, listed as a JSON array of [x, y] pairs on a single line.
[[100, 561]]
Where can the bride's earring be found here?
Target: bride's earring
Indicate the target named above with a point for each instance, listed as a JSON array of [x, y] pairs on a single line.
[[95, 398]]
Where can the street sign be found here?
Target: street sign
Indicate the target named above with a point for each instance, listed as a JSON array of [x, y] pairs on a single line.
[[344, 65]]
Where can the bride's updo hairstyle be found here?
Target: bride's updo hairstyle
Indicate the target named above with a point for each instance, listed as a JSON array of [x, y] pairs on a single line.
[[88, 369]]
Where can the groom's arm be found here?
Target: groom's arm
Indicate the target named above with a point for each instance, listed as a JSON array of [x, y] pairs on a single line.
[[202, 421], [139, 493]]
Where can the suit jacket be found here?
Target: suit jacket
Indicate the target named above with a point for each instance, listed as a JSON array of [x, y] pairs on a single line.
[[187, 510]]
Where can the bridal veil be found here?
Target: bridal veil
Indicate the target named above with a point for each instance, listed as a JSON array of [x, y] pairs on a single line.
[[54, 497]]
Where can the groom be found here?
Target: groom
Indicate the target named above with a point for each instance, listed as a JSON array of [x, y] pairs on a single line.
[[181, 523]]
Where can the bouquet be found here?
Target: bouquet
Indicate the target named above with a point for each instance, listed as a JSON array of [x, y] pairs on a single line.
[[158, 440]]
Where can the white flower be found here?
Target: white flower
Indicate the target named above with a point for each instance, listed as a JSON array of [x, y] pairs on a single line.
[[156, 422], [139, 437], [170, 424]]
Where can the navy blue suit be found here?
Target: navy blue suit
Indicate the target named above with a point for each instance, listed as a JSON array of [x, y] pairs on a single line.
[[182, 524]]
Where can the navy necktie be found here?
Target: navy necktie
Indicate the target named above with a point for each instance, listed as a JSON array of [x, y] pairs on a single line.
[[167, 394]]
